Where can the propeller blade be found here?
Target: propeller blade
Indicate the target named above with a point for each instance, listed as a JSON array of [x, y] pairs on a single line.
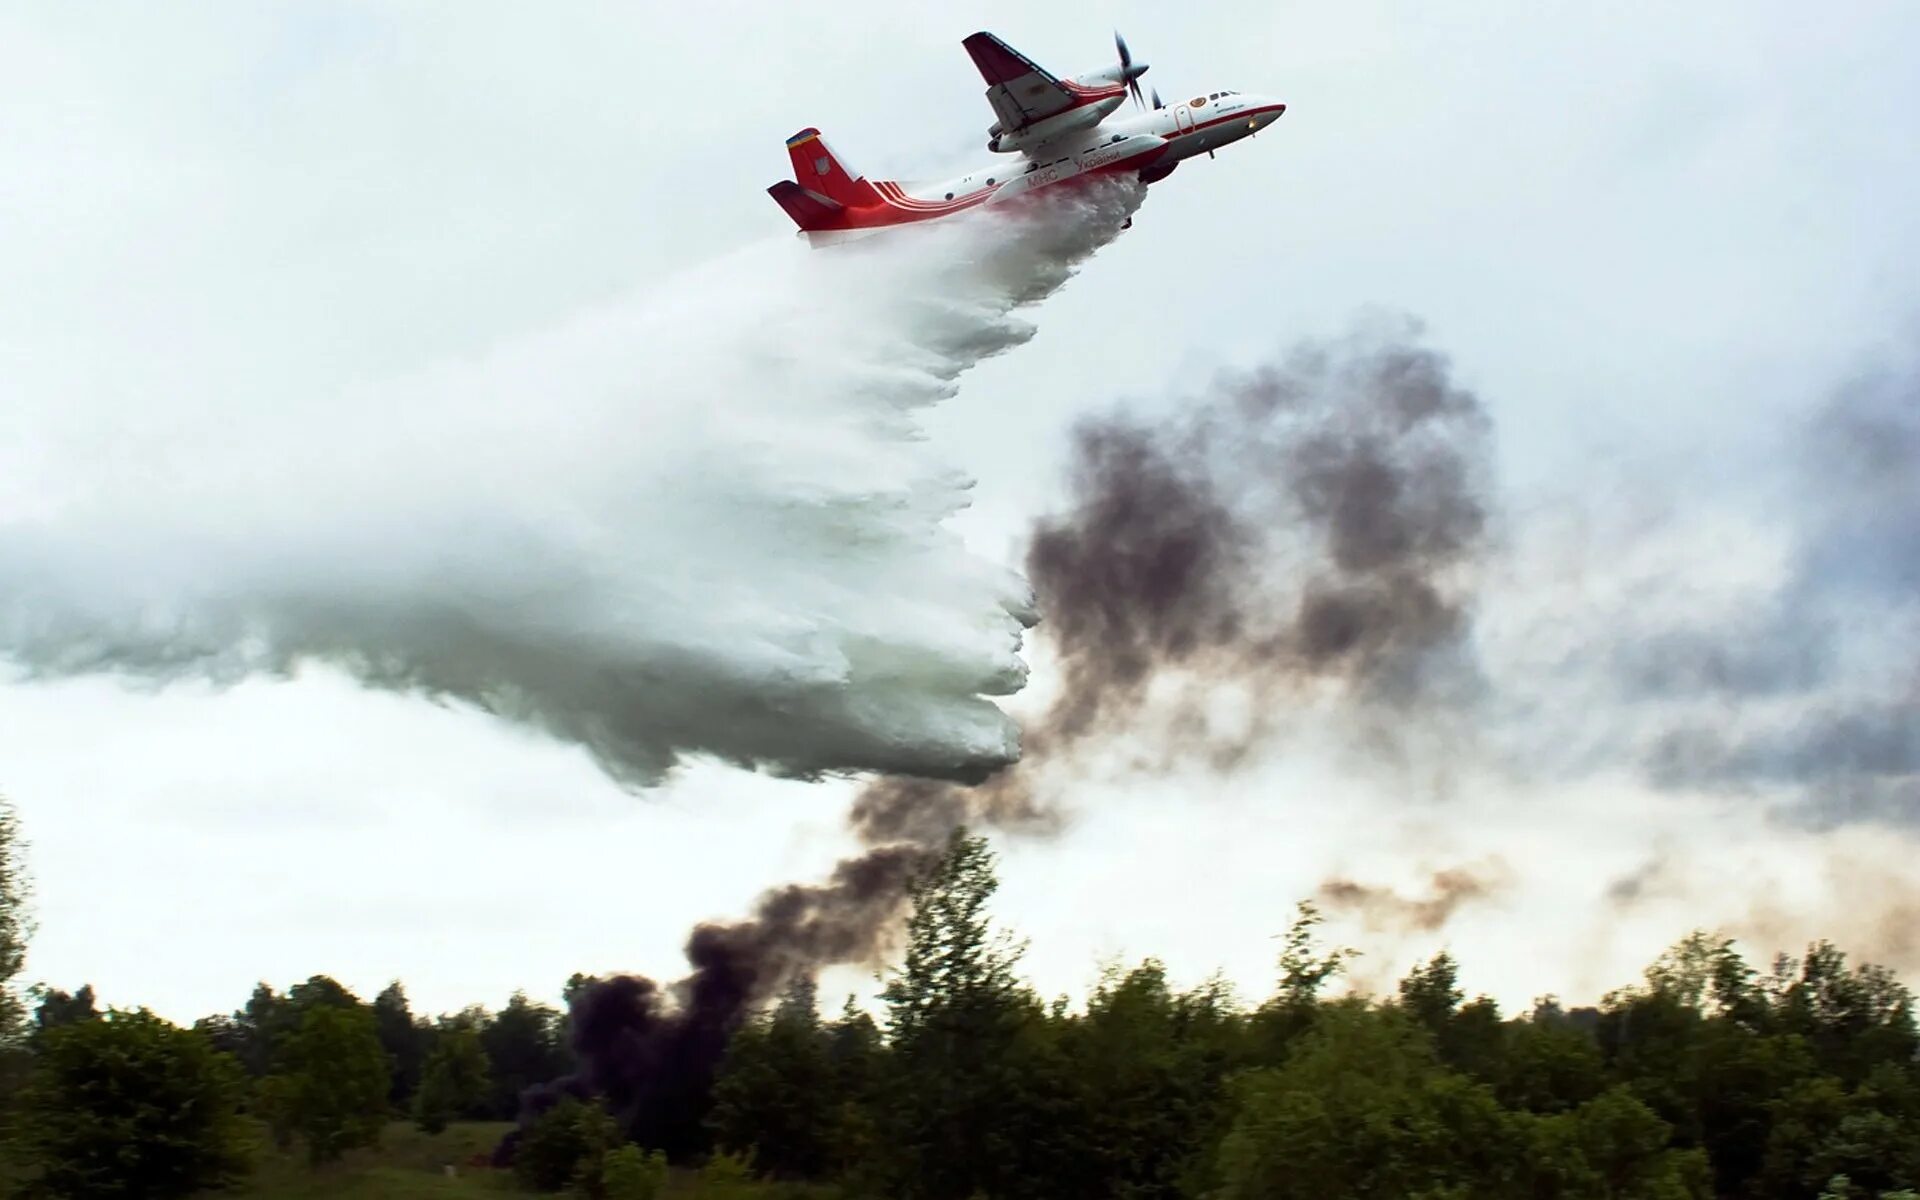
[[1127, 71], [1156, 99]]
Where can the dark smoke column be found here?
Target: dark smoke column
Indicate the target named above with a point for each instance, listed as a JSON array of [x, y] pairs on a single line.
[[1309, 526], [1305, 531]]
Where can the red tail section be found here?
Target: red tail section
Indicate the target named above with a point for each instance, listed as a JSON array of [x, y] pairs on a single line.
[[826, 184], [809, 210]]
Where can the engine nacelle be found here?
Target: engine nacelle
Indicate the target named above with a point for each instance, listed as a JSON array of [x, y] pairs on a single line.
[[1156, 173], [1072, 121]]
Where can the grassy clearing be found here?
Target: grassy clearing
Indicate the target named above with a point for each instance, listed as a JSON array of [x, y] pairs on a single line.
[[406, 1164], [409, 1165]]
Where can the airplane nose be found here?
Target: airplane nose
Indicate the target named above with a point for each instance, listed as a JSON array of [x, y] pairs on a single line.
[[1266, 112]]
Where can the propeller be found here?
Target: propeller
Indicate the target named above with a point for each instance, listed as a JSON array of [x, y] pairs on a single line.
[[1127, 71], [1156, 99]]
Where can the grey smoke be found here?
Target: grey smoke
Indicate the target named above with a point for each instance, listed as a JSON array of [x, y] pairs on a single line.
[[1304, 531], [1383, 909], [1811, 698], [1304, 525]]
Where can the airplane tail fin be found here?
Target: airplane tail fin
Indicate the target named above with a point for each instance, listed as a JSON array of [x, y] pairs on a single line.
[[819, 169]]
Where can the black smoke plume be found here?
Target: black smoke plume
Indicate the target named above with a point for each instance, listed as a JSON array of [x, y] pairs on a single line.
[[1308, 525], [1304, 530], [649, 1052]]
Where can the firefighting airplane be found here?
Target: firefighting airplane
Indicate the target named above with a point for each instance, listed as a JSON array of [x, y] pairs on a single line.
[[1058, 128]]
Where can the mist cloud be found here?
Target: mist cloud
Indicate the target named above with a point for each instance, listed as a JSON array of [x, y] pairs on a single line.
[[702, 521]]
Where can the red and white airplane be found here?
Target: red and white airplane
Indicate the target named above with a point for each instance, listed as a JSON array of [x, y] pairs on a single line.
[[1061, 130]]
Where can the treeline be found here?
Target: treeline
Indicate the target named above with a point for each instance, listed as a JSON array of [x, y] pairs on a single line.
[[1709, 1078], [469, 1065], [318, 1065]]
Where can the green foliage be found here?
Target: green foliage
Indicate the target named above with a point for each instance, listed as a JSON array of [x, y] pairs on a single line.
[[1624, 1154], [333, 1092], [16, 924], [1365, 1108], [566, 1146], [725, 1176], [131, 1106], [1362, 1109], [1547, 1065], [455, 1081], [1853, 1019], [628, 1173], [1430, 994], [1841, 1188], [523, 1047], [1304, 971], [405, 1041], [405, 1165], [970, 1090], [258, 1034], [1707, 1078], [956, 962], [774, 1097], [54, 1008], [1149, 1065]]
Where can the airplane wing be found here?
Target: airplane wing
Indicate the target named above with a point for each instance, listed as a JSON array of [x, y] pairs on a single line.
[[1020, 90]]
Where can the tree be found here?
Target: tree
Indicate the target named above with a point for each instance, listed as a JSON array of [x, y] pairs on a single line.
[[57, 1008], [256, 1026], [1149, 1065], [455, 1081], [1304, 971], [976, 1078], [1821, 1130], [404, 1040], [1624, 1146], [131, 1106], [1548, 1065], [523, 1048], [1362, 1109], [628, 1173], [335, 1080], [1852, 1019], [16, 924], [566, 1146], [774, 1097], [857, 1058], [956, 961], [1430, 994]]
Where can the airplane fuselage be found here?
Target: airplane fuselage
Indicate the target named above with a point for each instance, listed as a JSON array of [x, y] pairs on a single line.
[[1150, 143], [1146, 142], [1050, 130]]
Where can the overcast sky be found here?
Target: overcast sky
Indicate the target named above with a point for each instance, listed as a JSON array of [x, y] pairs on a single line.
[[1652, 239]]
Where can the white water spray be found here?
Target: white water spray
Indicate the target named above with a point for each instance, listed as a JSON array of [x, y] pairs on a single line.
[[701, 522]]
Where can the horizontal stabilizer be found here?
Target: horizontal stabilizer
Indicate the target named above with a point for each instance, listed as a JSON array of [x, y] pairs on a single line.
[[809, 210]]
